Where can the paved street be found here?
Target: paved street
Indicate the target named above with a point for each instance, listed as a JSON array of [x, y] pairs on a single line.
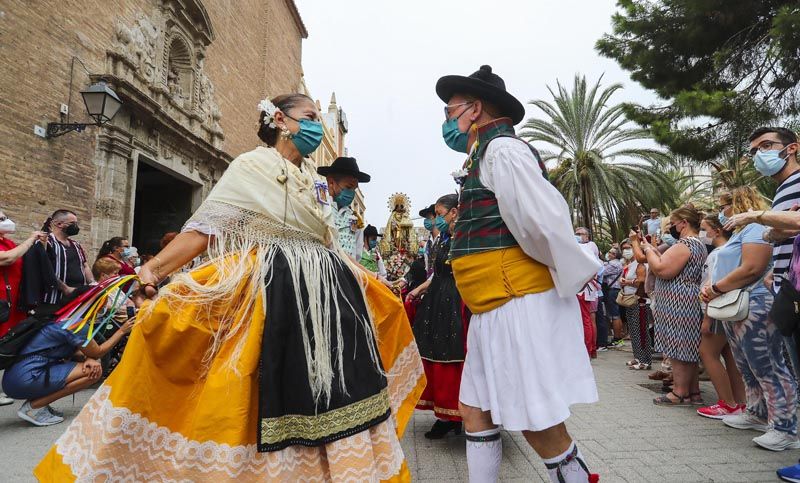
[[624, 438]]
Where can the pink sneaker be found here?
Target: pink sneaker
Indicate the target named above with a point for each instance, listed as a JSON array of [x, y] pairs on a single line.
[[719, 410]]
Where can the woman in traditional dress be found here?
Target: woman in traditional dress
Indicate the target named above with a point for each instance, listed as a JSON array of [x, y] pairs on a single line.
[[261, 365], [440, 328]]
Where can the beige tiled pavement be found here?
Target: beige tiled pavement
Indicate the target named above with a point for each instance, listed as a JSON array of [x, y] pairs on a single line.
[[624, 437]]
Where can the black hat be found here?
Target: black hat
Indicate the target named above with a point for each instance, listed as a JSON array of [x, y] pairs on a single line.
[[343, 165], [430, 210], [484, 85], [370, 231]]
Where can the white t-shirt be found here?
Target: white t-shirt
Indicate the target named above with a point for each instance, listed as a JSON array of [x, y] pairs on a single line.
[[653, 226]]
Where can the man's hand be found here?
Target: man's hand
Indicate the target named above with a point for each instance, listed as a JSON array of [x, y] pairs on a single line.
[[741, 219]]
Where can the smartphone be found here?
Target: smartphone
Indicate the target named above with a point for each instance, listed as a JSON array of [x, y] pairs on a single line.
[[634, 228], [131, 312]]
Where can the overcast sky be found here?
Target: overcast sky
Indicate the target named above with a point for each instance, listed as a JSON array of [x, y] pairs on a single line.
[[383, 60]]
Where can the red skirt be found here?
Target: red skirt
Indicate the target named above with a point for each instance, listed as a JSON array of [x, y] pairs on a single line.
[[441, 393]]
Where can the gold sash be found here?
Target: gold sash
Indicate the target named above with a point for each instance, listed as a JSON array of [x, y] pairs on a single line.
[[490, 279]]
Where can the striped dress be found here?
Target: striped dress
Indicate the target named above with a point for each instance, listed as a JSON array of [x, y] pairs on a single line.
[[676, 307], [787, 195]]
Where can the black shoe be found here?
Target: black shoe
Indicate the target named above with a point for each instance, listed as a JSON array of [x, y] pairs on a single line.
[[440, 429]]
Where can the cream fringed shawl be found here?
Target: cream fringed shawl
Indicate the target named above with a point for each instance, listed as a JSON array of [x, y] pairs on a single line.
[[262, 204]]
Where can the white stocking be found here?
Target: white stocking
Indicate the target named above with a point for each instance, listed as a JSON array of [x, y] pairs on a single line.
[[484, 452], [568, 464]]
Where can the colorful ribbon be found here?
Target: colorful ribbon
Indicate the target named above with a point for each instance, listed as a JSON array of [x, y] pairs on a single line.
[[86, 308]]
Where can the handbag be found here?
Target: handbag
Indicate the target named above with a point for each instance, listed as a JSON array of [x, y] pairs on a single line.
[[732, 306], [5, 305], [627, 300], [785, 310]]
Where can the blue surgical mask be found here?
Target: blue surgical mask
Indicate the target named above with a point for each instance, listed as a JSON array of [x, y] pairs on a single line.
[[769, 163], [345, 197], [453, 137], [428, 223], [668, 239], [442, 224], [126, 252], [578, 239], [373, 243], [722, 218], [309, 137]]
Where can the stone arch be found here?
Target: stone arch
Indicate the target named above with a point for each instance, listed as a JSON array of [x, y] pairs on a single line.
[[180, 70]]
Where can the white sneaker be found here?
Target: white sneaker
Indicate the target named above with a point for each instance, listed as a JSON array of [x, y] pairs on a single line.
[[746, 421], [55, 412], [37, 417], [775, 440], [5, 400]]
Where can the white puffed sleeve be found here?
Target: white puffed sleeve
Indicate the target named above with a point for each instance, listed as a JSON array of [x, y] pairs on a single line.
[[536, 213]]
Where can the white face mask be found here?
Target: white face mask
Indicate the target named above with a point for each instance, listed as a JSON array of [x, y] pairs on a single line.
[[627, 253], [7, 226]]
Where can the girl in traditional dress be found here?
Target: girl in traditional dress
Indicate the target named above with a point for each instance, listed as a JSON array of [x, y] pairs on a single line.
[[440, 328], [261, 365]]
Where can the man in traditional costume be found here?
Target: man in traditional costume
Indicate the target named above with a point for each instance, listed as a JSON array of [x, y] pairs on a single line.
[[279, 360], [518, 268], [371, 258], [429, 216], [343, 177]]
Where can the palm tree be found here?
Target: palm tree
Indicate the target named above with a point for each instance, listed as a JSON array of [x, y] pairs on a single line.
[[691, 188], [607, 180]]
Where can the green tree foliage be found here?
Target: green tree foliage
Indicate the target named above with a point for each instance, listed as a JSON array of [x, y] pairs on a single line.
[[724, 67], [607, 178]]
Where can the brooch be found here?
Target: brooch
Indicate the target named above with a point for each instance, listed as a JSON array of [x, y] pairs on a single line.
[[321, 190]]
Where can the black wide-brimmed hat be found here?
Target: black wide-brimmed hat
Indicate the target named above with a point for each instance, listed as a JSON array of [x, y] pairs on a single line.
[[485, 85], [344, 165], [430, 210], [371, 231]]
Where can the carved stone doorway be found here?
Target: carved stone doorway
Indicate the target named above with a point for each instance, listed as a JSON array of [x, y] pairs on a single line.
[[163, 203]]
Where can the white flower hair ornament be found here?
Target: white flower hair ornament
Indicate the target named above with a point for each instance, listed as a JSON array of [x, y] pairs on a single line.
[[269, 109]]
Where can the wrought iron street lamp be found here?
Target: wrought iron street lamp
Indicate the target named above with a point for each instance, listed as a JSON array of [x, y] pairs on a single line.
[[102, 104]]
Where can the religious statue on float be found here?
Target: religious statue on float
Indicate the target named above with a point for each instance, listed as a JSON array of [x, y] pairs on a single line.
[[399, 237]]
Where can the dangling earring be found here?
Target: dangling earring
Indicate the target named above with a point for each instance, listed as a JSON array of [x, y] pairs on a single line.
[[285, 133]]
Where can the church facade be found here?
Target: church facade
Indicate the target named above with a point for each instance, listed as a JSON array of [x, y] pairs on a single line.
[[189, 73]]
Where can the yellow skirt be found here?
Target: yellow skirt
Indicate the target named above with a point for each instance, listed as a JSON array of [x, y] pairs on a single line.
[[161, 416]]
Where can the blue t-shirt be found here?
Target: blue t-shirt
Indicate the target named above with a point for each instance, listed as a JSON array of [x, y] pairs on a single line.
[[729, 257]]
